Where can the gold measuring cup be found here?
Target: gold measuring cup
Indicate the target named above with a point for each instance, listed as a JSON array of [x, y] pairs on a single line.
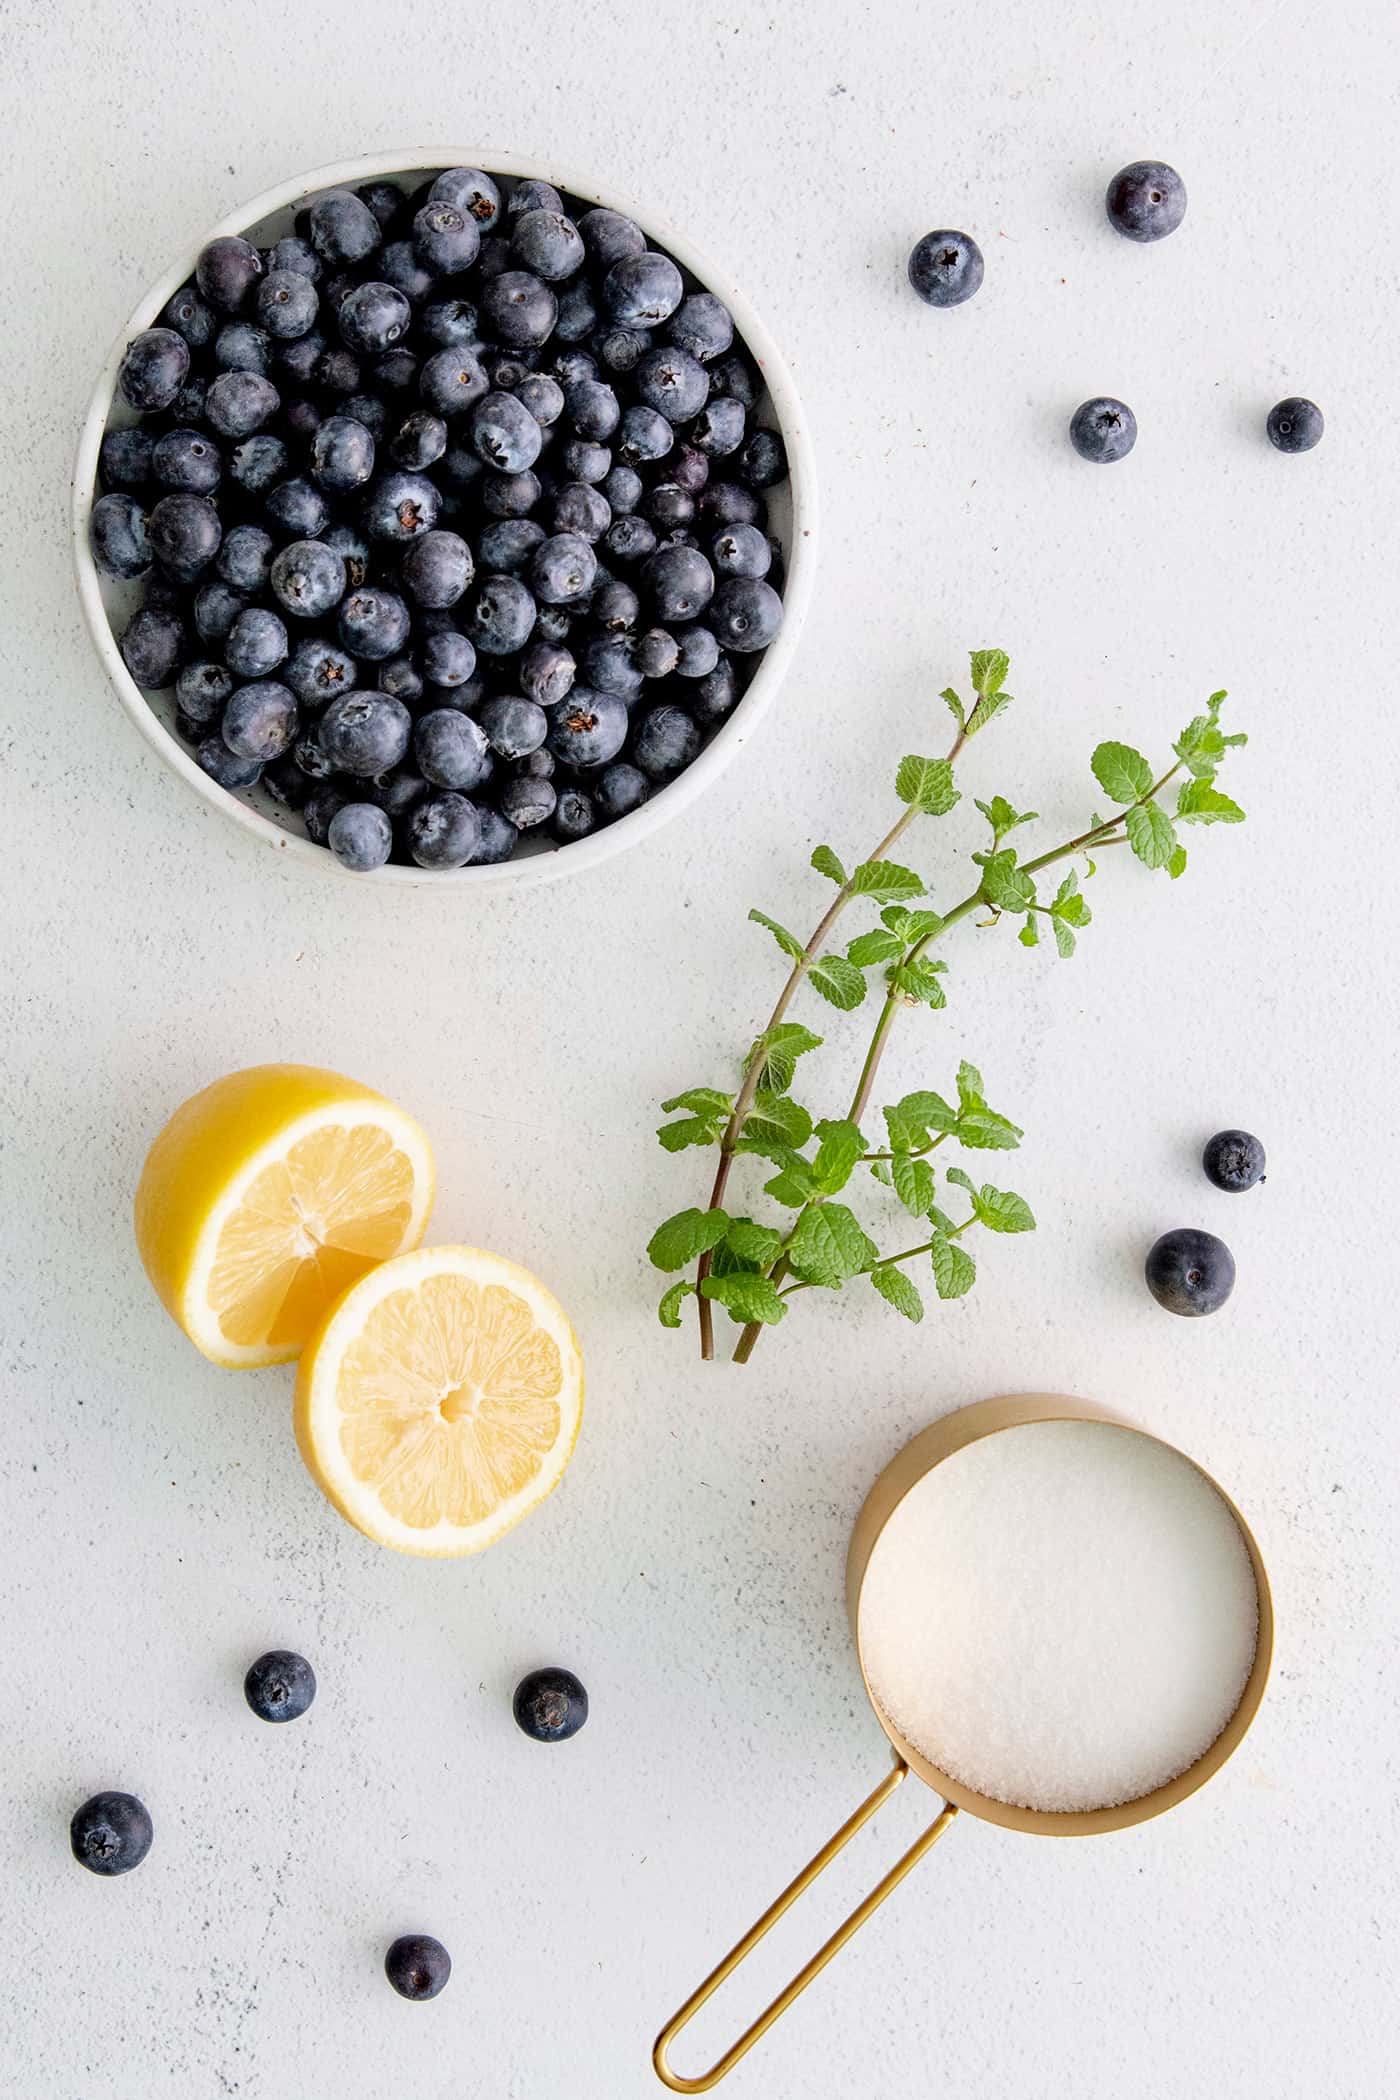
[[967, 1426]]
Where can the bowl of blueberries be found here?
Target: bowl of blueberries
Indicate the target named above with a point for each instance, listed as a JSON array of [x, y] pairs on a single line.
[[439, 522]]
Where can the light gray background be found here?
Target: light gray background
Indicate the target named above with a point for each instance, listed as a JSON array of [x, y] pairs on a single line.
[[159, 1529]]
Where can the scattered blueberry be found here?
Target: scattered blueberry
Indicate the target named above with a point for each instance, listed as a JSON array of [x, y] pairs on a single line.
[[473, 192], [1233, 1160], [643, 290], [1294, 425], [202, 690], [417, 1965], [360, 836], [343, 229], [287, 304], [244, 558], [1103, 430], [744, 614], [184, 533], [1146, 200], [587, 728], [680, 581], [444, 831], [238, 403], [297, 508], [946, 268], [550, 1705], [1190, 1272], [446, 238], [280, 1685], [111, 1833]]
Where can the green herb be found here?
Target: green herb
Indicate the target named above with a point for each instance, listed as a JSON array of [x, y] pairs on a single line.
[[753, 1268]]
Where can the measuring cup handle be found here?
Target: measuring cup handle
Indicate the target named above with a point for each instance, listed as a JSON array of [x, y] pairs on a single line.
[[824, 1954]]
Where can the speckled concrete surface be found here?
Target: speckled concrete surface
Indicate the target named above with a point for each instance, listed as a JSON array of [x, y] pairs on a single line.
[[158, 1527]]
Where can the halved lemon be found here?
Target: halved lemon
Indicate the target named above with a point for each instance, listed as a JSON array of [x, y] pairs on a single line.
[[268, 1194], [441, 1400]]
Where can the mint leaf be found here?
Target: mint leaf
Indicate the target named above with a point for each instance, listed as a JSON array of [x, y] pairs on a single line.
[[828, 1246], [917, 1118], [1200, 803], [879, 945], [1121, 772], [692, 1130], [788, 942], [963, 1179], [779, 1048], [989, 669], [913, 1183], [746, 1297], [700, 1101], [826, 863], [778, 1116], [756, 1243], [792, 1188], [1005, 885], [669, 1310], [1029, 936], [919, 980], [979, 1128], [928, 784], [880, 1168], [838, 981], [1002, 1211], [683, 1238], [970, 1085], [897, 1290], [911, 925], [1150, 834], [954, 1270], [840, 1148], [987, 711], [1064, 940], [1003, 818], [1069, 904], [885, 878], [951, 700], [1177, 864]]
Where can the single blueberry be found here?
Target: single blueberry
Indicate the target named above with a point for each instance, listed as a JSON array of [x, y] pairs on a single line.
[[1146, 200], [448, 658], [449, 322], [645, 434], [616, 607], [372, 317], [504, 434], [261, 720], [124, 458], [702, 325], [745, 614], [680, 582], [398, 792], [1103, 430], [542, 395], [342, 454], [297, 363], [1294, 425], [184, 533], [658, 653], [518, 309], [472, 192], [672, 382], [593, 408], [609, 665], [526, 801], [714, 694], [540, 765], [361, 837], [224, 767], [417, 1965], [401, 507], [643, 290], [367, 409], [287, 304], [400, 679], [553, 623], [587, 728], [575, 815], [510, 495], [190, 316], [317, 670], [444, 832], [437, 569], [622, 490], [364, 733], [451, 381], [741, 550], [622, 349], [698, 652], [419, 441], [609, 236], [946, 268], [666, 742], [244, 558], [396, 371], [353, 548], [547, 243], [152, 646], [581, 459], [216, 607], [257, 644], [201, 691], [762, 459], [621, 789], [322, 803], [727, 503], [117, 536], [578, 311], [342, 229], [563, 569], [547, 672], [513, 727], [504, 547], [240, 347], [187, 460], [297, 508], [581, 509], [571, 366], [629, 540], [502, 615], [280, 1685], [720, 430], [550, 1705], [295, 254], [498, 839], [666, 506], [226, 272], [1233, 1160], [258, 464], [238, 403], [373, 624], [111, 1833], [446, 238], [307, 578], [1190, 1272], [403, 270]]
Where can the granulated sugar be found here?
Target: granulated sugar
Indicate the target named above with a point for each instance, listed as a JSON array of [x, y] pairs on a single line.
[[1062, 1616]]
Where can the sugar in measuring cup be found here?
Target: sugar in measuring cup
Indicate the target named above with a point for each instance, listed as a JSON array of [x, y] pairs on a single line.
[[1064, 1627]]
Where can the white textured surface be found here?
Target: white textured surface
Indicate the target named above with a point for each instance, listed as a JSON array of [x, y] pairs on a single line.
[[158, 1528]]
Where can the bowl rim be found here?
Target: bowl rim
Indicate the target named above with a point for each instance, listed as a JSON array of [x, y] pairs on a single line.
[[579, 855]]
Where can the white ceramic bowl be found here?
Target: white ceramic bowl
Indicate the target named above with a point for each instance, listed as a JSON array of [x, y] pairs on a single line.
[[791, 517]]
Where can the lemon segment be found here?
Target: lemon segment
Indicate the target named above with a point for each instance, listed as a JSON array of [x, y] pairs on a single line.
[[266, 1196], [441, 1400]]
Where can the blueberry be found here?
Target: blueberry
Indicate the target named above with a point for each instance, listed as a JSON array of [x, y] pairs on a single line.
[[260, 721], [152, 646], [1190, 1272], [666, 742], [401, 507], [322, 803], [658, 653], [317, 670], [630, 540], [240, 347], [553, 623], [699, 652], [280, 1685], [419, 441], [1233, 1160], [495, 257], [547, 672], [616, 607], [550, 1705], [398, 792], [367, 409], [719, 430], [542, 395], [741, 550], [257, 644], [437, 569], [373, 623], [444, 832], [111, 1833], [396, 371], [672, 382], [621, 789], [287, 304], [301, 420], [504, 434], [184, 533], [547, 243], [226, 272], [640, 291], [587, 728], [702, 325], [451, 381], [646, 434], [622, 349], [342, 228], [187, 460], [563, 569], [540, 765], [297, 363], [446, 238], [448, 658], [666, 506], [472, 192], [124, 460], [510, 495], [417, 1965], [238, 403], [188, 406], [258, 463], [680, 582], [1294, 425], [403, 270], [735, 376], [502, 615], [518, 309], [593, 408], [372, 317], [224, 767], [581, 509], [608, 236], [526, 801], [216, 607], [622, 490], [190, 316], [364, 733], [244, 558], [297, 508], [504, 547], [726, 503], [610, 665], [153, 370], [946, 268], [399, 678], [449, 322], [762, 460], [384, 199], [294, 254], [571, 366], [745, 614], [308, 578], [578, 312], [285, 782], [117, 536], [513, 727], [201, 691], [1146, 200], [498, 839], [1103, 430], [353, 548], [715, 694]]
